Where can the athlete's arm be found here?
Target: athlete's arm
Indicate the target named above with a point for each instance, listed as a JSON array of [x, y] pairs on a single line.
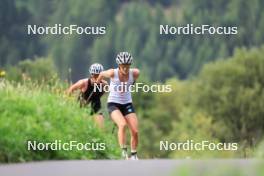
[[105, 74], [136, 73], [78, 85], [104, 82]]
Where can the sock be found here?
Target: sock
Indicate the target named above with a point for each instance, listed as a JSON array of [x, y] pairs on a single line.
[[124, 148], [133, 152]]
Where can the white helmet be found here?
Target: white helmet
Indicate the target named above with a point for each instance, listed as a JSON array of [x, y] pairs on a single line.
[[96, 68], [124, 58]]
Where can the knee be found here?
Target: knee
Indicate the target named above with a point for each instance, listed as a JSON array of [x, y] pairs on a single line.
[[134, 132], [122, 125]]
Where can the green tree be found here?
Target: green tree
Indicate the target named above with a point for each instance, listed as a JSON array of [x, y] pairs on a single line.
[[232, 92]]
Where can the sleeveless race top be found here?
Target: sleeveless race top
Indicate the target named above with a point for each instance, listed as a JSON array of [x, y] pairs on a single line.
[[119, 91], [89, 93]]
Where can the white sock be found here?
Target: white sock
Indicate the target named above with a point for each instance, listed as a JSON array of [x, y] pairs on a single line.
[[124, 147], [133, 151]]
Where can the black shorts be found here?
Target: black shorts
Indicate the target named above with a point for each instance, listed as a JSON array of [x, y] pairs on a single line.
[[95, 108], [125, 109]]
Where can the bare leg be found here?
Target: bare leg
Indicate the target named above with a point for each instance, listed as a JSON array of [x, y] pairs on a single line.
[[119, 119], [132, 122], [99, 119]]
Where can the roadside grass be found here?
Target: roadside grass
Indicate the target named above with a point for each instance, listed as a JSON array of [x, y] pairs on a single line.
[[42, 113]]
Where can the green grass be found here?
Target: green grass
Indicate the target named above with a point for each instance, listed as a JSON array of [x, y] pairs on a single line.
[[32, 112]]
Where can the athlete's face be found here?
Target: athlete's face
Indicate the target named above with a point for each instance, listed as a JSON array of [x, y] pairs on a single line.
[[94, 77], [124, 68]]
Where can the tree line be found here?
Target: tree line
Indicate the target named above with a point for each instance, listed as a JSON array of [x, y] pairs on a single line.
[[131, 26]]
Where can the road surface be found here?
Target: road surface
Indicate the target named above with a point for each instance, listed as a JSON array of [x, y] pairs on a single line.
[[134, 168]]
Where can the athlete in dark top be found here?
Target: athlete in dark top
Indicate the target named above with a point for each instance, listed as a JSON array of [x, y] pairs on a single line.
[[88, 95]]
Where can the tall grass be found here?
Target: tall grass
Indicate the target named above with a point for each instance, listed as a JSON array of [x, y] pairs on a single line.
[[41, 112]]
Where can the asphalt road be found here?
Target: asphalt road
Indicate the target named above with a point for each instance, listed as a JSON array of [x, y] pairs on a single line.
[[132, 168]]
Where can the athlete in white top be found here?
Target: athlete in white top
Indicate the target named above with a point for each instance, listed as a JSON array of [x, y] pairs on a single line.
[[119, 92], [119, 104]]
